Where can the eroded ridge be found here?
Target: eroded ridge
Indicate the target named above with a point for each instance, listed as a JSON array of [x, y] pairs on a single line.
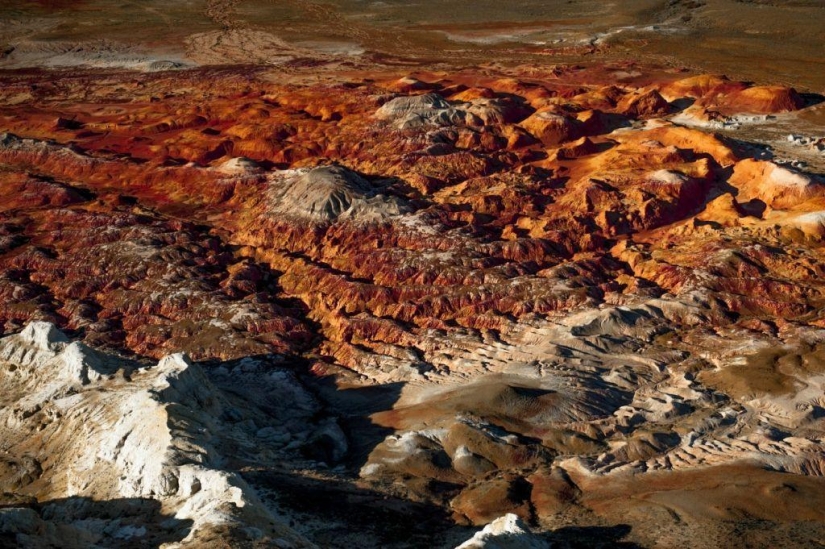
[[91, 437]]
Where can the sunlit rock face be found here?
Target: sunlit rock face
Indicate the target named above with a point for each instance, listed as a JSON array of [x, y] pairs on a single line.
[[386, 310], [93, 438]]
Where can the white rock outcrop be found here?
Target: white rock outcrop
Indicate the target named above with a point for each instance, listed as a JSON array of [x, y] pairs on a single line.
[[424, 110], [507, 532], [91, 427], [326, 194]]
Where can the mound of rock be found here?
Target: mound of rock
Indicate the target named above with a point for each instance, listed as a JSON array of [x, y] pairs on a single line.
[[240, 166], [714, 91], [697, 87], [648, 103], [507, 532], [776, 186], [812, 223], [763, 100], [424, 110], [577, 149], [327, 194], [551, 128]]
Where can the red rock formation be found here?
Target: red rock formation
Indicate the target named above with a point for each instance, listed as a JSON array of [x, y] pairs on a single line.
[[551, 128], [774, 185], [763, 99], [479, 224], [648, 103]]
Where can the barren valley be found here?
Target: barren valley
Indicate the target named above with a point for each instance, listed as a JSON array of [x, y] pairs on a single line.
[[348, 274]]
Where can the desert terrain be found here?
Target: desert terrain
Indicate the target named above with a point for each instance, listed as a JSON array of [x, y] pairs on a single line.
[[383, 274]]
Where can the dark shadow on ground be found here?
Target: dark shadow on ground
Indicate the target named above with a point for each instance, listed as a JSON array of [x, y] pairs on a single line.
[[346, 515], [811, 99], [80, 522], [354, 406], [591, 537]]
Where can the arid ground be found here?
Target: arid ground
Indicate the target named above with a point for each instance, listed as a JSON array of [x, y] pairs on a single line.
[[391, 274]]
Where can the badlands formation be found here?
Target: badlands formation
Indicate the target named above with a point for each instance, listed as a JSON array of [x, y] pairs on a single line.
[[340, 302]]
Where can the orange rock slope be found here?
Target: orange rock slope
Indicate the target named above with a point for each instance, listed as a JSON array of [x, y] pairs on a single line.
[[166, 181]]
